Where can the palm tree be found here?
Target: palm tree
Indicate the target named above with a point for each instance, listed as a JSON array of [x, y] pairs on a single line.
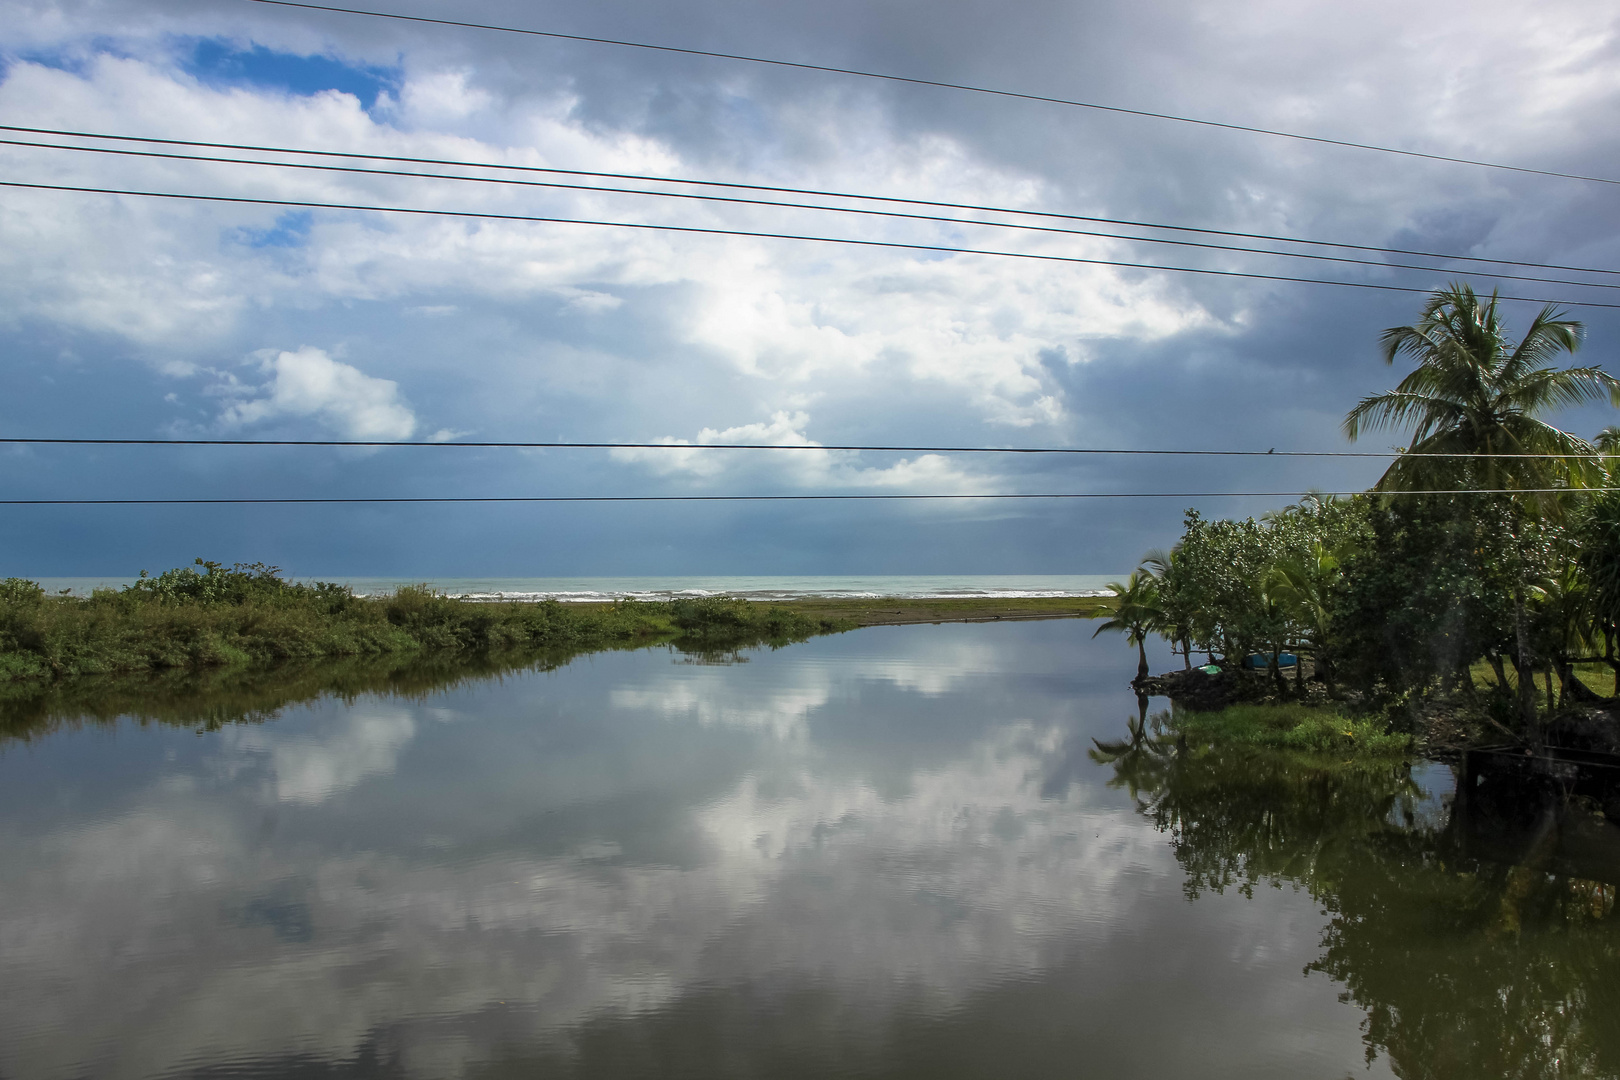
[[1303, 583], [1175, 620], [1136, 613], [1478, 395], [1564, 625]]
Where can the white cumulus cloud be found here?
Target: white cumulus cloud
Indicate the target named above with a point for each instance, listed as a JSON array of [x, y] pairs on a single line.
[[809, 467], [309, 383]]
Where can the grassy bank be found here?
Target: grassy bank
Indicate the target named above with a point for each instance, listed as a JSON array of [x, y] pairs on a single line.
[[1290, 727], [214, 617], [248, 616]]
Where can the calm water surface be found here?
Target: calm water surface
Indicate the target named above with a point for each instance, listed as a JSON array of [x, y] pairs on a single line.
[[896, 852]]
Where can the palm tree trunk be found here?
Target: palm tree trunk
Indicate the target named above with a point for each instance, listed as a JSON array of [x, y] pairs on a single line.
[[1141, 661]]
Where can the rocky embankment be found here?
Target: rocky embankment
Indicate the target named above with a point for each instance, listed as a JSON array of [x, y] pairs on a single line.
[[1200, 690], [1193, 689]]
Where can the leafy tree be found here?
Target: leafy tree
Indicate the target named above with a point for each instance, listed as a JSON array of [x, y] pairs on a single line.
[[1424, 597], [1241, 587], [1217, 581]]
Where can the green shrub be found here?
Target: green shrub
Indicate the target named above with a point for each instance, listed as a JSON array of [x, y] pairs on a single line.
[[709, 612], [16, 590], [240, 584]]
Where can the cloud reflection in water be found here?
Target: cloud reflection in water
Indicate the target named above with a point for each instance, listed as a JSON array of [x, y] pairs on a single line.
[[862, 819]]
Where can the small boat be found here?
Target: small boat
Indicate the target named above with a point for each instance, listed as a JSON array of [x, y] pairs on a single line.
[[1261, 660]]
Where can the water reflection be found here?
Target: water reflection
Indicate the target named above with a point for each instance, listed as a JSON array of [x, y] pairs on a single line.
[[882, 853], [308, 768], [1464, 966]]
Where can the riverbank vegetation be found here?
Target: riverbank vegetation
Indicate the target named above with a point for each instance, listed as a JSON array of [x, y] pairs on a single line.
[[1459, 598], [249, 616]]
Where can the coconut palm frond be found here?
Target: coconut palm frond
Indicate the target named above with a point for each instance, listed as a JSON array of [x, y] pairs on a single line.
[[1550, 333], [1157, 563], [1400, 409], [1418, 340], [1546, 389], [1474, 395]]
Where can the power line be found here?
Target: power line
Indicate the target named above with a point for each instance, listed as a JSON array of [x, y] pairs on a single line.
[[821, 193], [830, 69], [711, 231], [1075, 450], [738, 200], [788, 498]]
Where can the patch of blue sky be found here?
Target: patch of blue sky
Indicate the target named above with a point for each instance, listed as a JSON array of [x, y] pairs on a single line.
[[75, 59], [290, 230], [220, 63]]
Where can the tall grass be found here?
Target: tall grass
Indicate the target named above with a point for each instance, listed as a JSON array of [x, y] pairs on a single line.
[[1291, 727]]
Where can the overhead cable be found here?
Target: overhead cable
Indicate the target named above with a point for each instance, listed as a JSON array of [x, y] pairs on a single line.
[[940, 84], [739, 200], [1079, 450], [816, 192], [790, 498], [712, 231]]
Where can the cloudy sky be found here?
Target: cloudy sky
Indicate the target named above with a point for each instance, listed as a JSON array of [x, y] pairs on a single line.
[[137, 317]]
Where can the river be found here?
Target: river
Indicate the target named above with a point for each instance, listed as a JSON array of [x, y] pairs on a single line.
[[893, 852]]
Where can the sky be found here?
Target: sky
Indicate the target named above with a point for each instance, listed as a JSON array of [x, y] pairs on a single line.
[[128, 316]]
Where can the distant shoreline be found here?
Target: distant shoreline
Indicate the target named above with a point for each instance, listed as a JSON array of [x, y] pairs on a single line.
[[587, 590]]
